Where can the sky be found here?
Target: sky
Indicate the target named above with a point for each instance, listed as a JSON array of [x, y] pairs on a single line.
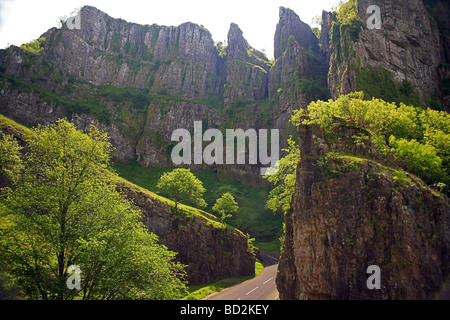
[[24, 20]]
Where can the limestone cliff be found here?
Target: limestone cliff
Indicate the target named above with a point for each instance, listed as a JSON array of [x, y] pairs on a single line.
[[299, 72], [211, 250], [247, 70], [350, 211], [107, 51], [141, 82], [408, 52]]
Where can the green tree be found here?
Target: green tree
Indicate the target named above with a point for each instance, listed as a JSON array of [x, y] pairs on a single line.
[[280, 197], [10, 159], [182, 186], [65, 210], [226, 206], [421, 159], [347, 11]]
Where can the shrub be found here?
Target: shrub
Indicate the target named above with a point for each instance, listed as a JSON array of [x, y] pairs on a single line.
[[420, 138]]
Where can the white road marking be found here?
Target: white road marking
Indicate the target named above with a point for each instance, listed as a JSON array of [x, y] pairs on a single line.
[[251, 291], [267, 280], [272, 258]]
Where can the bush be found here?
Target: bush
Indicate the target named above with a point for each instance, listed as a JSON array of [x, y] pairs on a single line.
[[420, 138], [34, 46], [421, 159]]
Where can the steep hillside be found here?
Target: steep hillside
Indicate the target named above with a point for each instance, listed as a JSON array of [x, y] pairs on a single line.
[[140, 83], [354, 202], [215, 251]]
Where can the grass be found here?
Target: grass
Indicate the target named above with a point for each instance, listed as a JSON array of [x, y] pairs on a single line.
[[185, 210], [6, 122], [273, 246], [252, 217]]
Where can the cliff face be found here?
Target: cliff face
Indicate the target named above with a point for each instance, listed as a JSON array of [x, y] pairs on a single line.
[[214, 251], [109, 51], [291, 25], [353, 213], [409, 46], [299, 73], [247, 70], [140, 83]]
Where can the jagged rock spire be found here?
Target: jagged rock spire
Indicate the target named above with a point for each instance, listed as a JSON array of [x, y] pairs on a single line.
[[291, 25]]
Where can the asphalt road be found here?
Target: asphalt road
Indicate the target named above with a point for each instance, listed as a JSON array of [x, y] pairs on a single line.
[[262, 287]]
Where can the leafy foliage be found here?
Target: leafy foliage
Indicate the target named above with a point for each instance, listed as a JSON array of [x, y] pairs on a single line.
[[348, 17], [225, 206], [34, 46], [420, 138], [347, 11], [419, 158], [10, 161], [284, 179], [65, 210], [182, 185]]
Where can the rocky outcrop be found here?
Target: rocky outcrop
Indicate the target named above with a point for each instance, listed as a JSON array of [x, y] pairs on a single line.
[[291, 25], [299, 73], [351, 213], [407, 45], [211, 250], [140, 83], [247, 70], [107, 51]]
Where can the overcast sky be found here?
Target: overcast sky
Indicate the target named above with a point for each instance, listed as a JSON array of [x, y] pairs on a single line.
[[24, 20]]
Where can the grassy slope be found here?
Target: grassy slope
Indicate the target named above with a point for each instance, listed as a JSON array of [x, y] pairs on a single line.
[[188, 211], [195, 292], [252, 217]]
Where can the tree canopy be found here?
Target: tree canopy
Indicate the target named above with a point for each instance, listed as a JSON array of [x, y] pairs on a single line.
[[182, 186], [226, 206], [280, 197], [65, 210], [34, 46]]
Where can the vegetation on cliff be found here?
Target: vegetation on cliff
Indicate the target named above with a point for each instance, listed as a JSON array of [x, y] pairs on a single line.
[[280, 197], [419, 137], [182, 186], [34, 46]]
